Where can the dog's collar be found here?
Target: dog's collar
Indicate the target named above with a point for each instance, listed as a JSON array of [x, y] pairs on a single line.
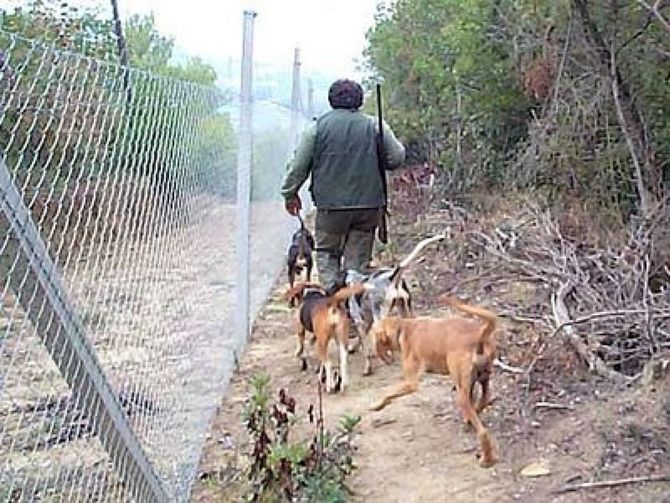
[[313, 289]]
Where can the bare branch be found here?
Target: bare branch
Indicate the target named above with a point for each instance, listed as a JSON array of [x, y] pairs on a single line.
[[562, 316], [639, 178], [608, 314], [654, 9], [612, 483], [508, 368]]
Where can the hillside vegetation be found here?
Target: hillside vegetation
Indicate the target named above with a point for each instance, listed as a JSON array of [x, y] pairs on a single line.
[[570, 98]]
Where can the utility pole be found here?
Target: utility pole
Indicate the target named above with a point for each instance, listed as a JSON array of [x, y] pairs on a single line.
[[122, 48], [244, 163], [297, 113], [295, 98], [310, 99]]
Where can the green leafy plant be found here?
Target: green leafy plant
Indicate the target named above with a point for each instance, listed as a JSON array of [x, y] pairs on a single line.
[[518, 95], [283, 469], [75, 126]]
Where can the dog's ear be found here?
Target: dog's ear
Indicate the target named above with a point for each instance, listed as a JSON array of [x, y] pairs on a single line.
[[293, 295], [398, 332], [381, 341]]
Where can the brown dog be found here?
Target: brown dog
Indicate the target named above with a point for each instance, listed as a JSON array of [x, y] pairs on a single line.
[[461, 347], [324, 316]]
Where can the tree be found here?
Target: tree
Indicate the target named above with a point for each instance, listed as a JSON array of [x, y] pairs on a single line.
[[443, 68], [172, 114], [147, 48], [572, 97]]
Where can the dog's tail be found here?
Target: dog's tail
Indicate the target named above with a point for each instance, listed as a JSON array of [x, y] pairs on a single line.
[[489, 317], [306, 236], [397, 271], [344, 293]]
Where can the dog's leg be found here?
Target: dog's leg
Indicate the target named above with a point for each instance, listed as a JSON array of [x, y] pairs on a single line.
[[342, 339], [300, 348], [485, 399], [326, 364], [363, 341], [330, 379], [368, 349], [370, 346], [359, 326], [291, 279], [406, 309], [469, 413], [309, 271], [405, 388], [354, 343], [410, 309], [413, 373], [344, 366]]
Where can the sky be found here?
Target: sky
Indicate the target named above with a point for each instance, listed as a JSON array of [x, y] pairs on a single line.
[[330, 33]]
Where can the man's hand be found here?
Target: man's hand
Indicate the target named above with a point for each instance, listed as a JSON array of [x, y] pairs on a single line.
[[293, 205]]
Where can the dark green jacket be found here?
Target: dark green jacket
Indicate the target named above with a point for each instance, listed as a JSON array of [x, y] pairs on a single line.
[[338, 150]]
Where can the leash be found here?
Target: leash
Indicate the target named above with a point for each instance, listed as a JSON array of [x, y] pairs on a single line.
[[302, 230], [302, 222]]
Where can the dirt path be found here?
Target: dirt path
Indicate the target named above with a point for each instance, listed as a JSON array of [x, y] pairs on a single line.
[[418, 450], [414, 450]]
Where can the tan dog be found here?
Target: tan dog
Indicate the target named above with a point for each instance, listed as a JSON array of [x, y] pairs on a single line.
[[324, 316], [458, 346]]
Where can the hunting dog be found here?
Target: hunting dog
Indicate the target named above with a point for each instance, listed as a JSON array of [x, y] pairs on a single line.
[[324, 316], [299, 255], [458, 346], [388, 292]]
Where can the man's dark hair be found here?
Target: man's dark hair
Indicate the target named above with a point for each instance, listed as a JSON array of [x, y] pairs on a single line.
[[345, 93]]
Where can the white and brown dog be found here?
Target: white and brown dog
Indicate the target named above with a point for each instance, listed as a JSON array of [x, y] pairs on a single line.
[[387, 292], [324, 316], [462, 347]]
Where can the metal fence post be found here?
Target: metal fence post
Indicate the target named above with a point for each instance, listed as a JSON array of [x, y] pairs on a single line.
[[244, 163]]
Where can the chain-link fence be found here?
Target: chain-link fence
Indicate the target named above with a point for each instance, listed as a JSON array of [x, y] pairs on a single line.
[[118, 272]]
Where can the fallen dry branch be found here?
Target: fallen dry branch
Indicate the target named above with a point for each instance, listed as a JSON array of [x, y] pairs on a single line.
[[655, 9], [507, 368], [554, 406], [562, 317], [612, 483], [661, 314], [616, 293]]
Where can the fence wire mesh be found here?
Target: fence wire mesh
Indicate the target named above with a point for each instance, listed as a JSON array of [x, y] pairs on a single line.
[[117, 271]]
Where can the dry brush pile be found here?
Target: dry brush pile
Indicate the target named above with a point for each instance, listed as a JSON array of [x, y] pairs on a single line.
[[607, 298], [605, 292]]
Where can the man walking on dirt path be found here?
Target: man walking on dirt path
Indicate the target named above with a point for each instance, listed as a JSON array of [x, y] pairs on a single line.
[[339, 151]]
